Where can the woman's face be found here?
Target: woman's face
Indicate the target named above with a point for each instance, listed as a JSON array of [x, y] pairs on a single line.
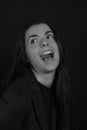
[[42, 49]]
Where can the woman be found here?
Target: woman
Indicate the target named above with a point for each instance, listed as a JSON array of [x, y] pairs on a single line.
[[37, 93]]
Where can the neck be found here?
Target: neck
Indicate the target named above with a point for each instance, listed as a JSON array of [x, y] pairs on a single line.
[[45, 78]]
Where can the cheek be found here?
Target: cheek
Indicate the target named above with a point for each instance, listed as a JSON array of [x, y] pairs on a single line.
[[31, 54], [56, 46]]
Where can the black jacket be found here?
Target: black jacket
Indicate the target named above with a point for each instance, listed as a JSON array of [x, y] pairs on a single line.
[[22, 107]]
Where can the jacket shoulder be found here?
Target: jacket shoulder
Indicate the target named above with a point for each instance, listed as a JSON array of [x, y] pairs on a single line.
[[17, 92]]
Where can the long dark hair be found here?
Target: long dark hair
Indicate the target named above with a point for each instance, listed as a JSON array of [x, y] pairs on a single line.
[[63, 94], [20, 58]]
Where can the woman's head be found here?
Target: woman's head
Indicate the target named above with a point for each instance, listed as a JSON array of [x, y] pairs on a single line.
[[39, 47]]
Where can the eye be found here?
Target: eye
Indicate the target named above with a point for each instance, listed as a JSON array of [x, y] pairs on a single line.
[[50, 36], [32, 41]]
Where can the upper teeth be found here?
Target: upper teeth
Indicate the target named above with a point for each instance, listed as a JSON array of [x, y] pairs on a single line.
[[47, 52]]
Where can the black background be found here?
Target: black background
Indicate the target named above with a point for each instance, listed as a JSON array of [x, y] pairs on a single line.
[[70, 18]]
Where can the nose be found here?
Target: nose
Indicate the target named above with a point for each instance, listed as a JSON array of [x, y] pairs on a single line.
[[44, 44]]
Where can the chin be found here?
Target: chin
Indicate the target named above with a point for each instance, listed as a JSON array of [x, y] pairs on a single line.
[[51, 68]]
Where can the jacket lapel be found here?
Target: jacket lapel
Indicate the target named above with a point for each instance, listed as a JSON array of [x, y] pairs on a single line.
[[37, 101], [40, 111]]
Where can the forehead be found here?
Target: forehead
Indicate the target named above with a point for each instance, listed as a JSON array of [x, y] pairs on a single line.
[[38, 29]]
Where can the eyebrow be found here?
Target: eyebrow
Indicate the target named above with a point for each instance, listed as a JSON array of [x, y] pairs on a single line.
[[35, 35]]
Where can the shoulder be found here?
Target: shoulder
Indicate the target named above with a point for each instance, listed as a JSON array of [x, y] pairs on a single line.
[[17, 93]]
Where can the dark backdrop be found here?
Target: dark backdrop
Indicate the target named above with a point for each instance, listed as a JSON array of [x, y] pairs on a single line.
[[70, 18]]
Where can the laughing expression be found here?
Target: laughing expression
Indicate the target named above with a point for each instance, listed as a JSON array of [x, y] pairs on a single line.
[[42, 49]]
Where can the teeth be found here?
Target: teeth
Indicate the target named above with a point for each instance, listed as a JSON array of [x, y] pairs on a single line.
[[47, 52]]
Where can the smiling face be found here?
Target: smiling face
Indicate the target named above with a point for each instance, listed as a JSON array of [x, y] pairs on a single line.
[[41, 47]]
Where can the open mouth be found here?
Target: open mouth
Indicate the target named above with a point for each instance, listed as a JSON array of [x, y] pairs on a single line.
[[47, 55]]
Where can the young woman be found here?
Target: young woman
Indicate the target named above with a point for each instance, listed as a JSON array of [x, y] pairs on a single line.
[[36, 94]]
